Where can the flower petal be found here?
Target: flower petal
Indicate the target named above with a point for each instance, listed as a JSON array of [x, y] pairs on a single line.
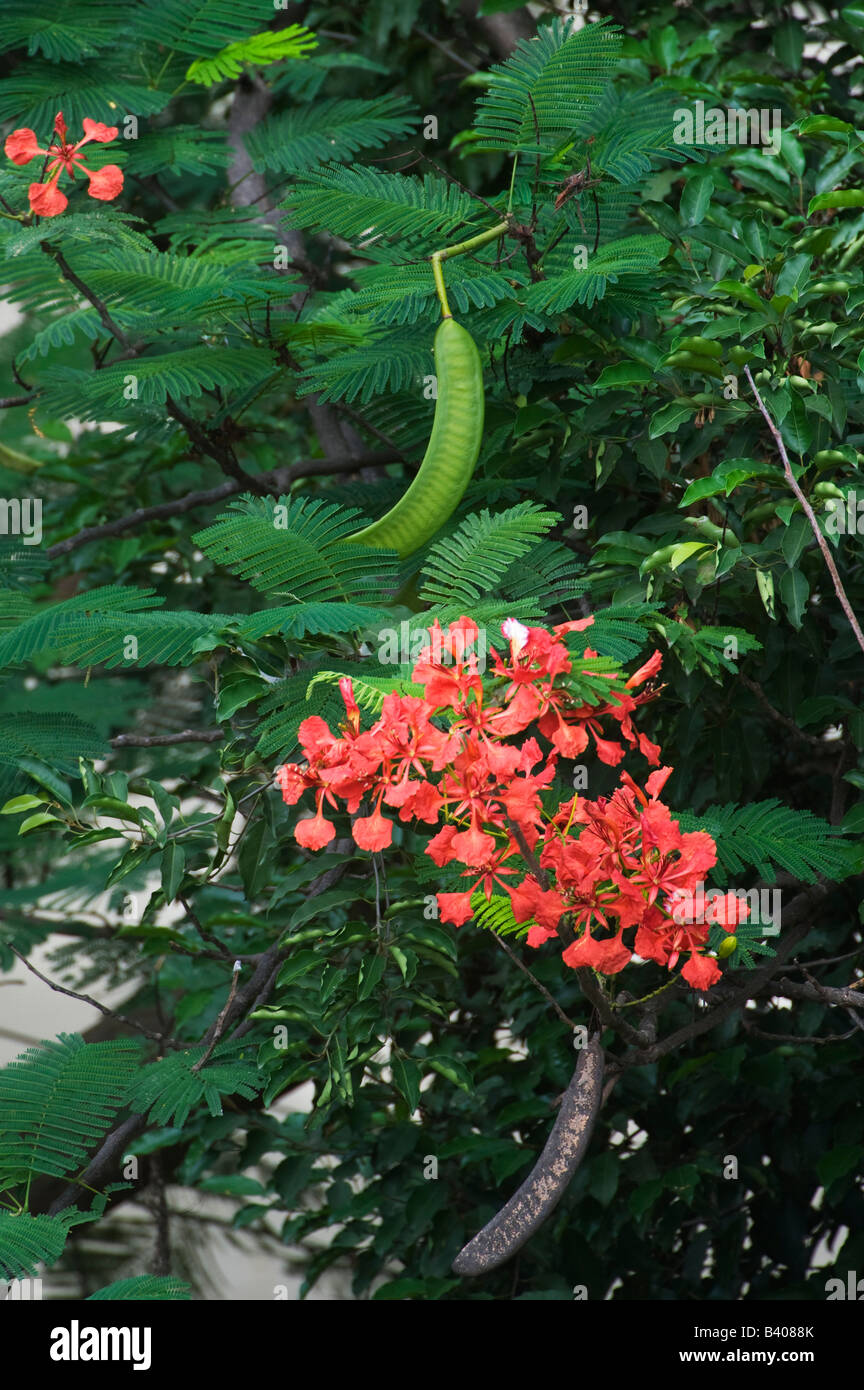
[[95, 130], [22, 146], [105, 183], [46, 199]]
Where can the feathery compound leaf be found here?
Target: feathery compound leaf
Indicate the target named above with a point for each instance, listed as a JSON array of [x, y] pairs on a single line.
[[767, 834], [105, 627], [199, 27], [369, 690], [141, 639], [300, 547], [547, 89], [169, 1089], [143, 1288], [632, 131], [495, 914], [268, 47], [58, 29], [56, 1102], [311, 619], [283, 710], [402, 294], [627, 256], [184, 149], [33, 97], [109, 394], [471, 562], [60, 739], [386, 362], [28, 1241], [327, 131], [362, 202]]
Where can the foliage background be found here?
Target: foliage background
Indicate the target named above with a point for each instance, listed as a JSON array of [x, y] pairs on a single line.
[[161, 864]]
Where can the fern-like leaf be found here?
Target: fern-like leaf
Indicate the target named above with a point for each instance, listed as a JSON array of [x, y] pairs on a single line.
[[299, 547], [469, 564], [495, 914], [271, 46], [56, 1102], [169, 1089], [110, 393], [27, 1241], [767, 834], [143, 1288], [369, 203], [548, 88], [385, 362], [327, 131]]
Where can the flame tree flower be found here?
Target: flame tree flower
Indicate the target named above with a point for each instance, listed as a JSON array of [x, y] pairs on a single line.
[[46, 198]]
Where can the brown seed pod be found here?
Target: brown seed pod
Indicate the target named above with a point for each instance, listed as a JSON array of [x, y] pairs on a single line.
[[548, 1180]]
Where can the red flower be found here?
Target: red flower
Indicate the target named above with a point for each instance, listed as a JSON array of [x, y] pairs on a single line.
[[610, 955], [373, 832], [314, 832], [727, 911], [616, 865], [701, 972], [46, 198], [455, 907]]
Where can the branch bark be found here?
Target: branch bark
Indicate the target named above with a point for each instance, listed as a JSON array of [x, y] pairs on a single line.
[[273, 483]]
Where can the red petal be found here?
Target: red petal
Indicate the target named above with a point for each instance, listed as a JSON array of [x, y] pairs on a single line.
[[46, 199], [95, 130], [315, 832], [105, 183], [22, 146], [455, 907], [701, 972], [373, 832]]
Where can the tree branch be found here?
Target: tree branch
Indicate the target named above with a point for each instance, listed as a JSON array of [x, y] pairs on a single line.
[[273, 483], [163, 740], [742, 987], [87, 999], [810, 515]]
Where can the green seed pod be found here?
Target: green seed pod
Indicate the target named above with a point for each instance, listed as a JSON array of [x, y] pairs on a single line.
[[827, 490], [711, 531], [700, 347], [831, 287], [706, 366], [763, 512], [450, 455], [828, 458]]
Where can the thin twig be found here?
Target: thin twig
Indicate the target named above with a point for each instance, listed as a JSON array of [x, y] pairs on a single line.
[[535, 982], [436, 43], [755, 688], [810, 515], [278, 481], [216, 1030], [163, 740], [86, 999]]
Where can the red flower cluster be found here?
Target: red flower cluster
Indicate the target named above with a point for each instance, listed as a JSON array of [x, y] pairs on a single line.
[[45, 198], [596, 869]]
